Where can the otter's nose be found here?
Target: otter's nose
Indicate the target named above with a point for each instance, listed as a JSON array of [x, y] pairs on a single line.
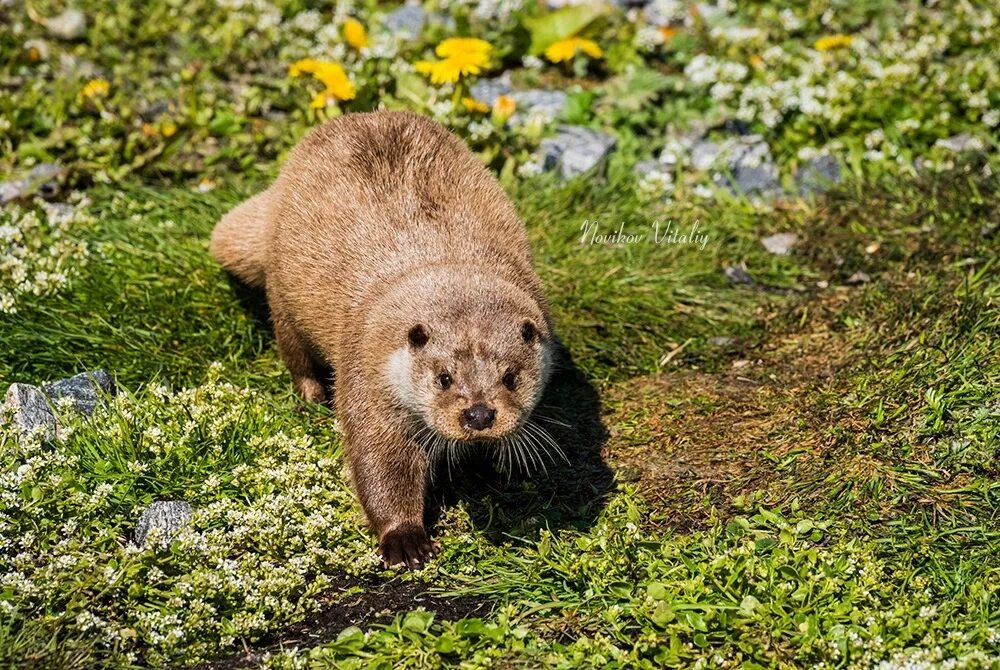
[[478, 417]]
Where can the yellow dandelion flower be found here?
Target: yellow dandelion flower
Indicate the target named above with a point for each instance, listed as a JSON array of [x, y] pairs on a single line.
[[319, 100], [331, 75], [566, 49], [95, 88], [168, 130], [304, 66], [503, 107], [474, 105], [831, 42], [460, 56], [451, 69], [355, 33], [757, 62], [463, 46]]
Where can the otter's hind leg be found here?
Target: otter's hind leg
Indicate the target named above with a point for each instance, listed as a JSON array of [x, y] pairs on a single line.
[[309, 375]]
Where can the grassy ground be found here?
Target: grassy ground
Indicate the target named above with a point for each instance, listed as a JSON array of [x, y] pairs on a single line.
[[819, 489], [796, 472]]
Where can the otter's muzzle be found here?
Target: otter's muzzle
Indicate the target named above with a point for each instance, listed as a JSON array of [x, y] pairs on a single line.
[[478, 417]]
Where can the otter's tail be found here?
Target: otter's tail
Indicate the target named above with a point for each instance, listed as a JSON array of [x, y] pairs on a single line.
[[239, 240]]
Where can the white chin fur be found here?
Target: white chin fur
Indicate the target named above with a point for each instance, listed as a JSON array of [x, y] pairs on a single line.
[[397, 374]]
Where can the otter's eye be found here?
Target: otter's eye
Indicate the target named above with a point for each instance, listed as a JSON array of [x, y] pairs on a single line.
[[510, 380], [444, 381]]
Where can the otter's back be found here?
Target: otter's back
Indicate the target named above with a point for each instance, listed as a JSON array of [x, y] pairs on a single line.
[[367, 197]]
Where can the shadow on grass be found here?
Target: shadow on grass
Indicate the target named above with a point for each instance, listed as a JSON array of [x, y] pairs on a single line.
[[254, 303], [566, 493]]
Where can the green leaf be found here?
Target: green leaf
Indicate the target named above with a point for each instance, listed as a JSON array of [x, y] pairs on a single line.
[[445, 644], [662, 615], [656, 591], [224, 123], [418, 622], [558, 25], [748, 605]]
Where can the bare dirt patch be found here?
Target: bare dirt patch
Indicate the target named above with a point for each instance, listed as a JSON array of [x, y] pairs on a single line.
[[692, 441], [378, 603]]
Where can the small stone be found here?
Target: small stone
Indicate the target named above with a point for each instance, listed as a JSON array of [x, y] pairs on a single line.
[[44, 171], [38, 179], [960, 143], [31, 411], [651, 168], [736, 127], [406, 21], [488, 90], [161, 521], [859, 277], [689, 135], [755, 180], [704, 154], [537, 103], [720, 341], [738, 275], [818, 174], [14, 189], [575, 150], [751, 170], [82, 391], [153, 110], [780, 243], [70, 25]]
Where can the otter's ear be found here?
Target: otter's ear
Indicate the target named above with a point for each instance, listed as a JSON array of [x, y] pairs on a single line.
[[529, 331], [417, 336]]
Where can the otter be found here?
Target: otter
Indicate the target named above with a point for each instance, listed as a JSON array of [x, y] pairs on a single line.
[[393, 259]]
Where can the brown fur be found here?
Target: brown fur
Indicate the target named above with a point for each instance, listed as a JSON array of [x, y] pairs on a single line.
[[379, 223]]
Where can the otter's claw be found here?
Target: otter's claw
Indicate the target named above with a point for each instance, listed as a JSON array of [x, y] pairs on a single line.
[[406, 546]]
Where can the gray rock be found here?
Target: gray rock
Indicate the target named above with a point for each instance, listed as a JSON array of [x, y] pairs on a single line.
[[548, 104], [161, 521], [738, 275], [650, 168], [39, 179], [45, 171], [31, 411], [70, 25], [151, 111], [488, 90], [406, 21], [736, 127], [961, 143], [575, 150], [818, 174], [704, 154], [82, 391], [720, 341], [780, 244], [751, 170], [689, 135], [757, 180]]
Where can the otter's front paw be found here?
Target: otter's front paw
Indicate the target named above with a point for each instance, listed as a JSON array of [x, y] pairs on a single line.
[[408, 546]]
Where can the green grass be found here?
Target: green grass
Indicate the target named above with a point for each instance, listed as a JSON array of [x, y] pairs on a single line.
[[882, 541]]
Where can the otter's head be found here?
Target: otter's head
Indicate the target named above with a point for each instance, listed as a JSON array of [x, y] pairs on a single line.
[[473, 375]]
